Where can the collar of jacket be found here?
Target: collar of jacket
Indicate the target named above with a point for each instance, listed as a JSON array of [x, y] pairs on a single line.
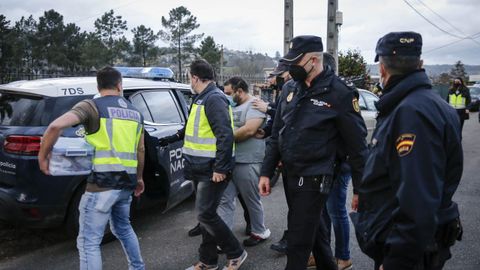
[[400, 89], [462, 89], [210, 87], [319, 84]]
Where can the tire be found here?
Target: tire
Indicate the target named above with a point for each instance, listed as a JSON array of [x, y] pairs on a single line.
[[71, 223]]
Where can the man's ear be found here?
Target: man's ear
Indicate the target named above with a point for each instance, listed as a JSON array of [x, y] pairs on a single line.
[[381, 69], [420, 65]]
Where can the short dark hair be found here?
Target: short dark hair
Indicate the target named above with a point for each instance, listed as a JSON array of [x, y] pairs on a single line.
[[237, 83], [329, 60], [400, 64], [202, 69], [108, 78]]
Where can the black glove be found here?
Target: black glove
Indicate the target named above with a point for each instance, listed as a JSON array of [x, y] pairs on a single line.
[[168, 139]]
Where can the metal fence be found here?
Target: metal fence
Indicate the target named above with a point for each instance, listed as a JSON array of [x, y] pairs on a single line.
[[249, 78], [10, 76], [18, 76]]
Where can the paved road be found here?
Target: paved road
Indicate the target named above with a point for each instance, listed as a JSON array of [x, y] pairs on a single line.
[[166, 246]]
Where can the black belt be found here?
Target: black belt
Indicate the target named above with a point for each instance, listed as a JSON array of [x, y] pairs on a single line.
[[322, 182]]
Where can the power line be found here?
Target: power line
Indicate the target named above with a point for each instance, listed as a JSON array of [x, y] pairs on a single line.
[[446, 21], [472, 37], [115, 8], [442, 18], [430, 22]]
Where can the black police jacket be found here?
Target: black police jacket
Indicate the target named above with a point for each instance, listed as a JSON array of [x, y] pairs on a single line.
[[217, 112], [309, 124], [413, 169]]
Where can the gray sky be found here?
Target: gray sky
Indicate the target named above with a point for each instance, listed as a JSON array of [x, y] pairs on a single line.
[[257, 25]]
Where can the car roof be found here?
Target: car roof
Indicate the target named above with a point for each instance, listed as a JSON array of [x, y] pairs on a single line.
[[58, 87]]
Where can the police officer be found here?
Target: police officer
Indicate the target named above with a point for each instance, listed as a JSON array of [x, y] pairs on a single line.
[[459, 98], [209, 159], [406, 218], [114, 128], [316, 110]]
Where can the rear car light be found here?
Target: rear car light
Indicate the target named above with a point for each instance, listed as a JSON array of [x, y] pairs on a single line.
[[22, 145]]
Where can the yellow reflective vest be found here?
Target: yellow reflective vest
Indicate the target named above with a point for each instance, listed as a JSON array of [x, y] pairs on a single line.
[[457, 101], [117, 138], [199, 138]]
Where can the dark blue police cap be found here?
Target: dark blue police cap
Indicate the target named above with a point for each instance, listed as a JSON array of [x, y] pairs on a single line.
[[280, 68], [399, 43], [300, 45]]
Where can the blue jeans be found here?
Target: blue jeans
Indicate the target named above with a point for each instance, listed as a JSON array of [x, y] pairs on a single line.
[[96, 209], [337, 211]]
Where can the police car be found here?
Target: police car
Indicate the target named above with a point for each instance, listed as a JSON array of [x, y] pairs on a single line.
[[367, 101], [32, 199]]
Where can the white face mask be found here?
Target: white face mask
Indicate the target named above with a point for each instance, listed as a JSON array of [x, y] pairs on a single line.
[[382, 85], [192, 88]]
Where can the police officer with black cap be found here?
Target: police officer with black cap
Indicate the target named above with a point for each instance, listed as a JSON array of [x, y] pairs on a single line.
[[406, 218], [316, 111]]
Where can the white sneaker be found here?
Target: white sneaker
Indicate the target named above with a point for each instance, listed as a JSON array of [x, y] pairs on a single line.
[[265, 235], [202, 266]]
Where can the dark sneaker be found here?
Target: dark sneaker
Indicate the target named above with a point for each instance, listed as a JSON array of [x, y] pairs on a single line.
[[195, 231], [280, 246], [253, 240], [256, 239], [248, 229], [235, 264], [202, 266]]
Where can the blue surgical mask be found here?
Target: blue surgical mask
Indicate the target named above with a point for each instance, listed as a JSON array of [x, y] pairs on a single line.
[[230, 100]]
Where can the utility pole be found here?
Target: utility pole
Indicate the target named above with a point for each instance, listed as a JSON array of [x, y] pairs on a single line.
[[334, 21], [288, 25]]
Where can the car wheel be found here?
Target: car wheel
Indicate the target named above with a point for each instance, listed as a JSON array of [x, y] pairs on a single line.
[[71, 224]]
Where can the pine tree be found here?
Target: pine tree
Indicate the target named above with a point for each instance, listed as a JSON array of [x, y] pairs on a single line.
[[209, 51], [178, 32]]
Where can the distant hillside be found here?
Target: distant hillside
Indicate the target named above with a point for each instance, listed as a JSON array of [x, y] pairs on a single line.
[[435, 70]]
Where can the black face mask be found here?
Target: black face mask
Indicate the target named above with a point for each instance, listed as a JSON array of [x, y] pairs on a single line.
[[279, 82], [298, 73]]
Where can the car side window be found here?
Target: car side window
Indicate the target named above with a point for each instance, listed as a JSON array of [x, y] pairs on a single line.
[[369, 100], [361, 102], [139, 103], [162, 106]]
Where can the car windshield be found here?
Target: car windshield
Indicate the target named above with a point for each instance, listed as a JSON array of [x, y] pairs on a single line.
[[475, 91]]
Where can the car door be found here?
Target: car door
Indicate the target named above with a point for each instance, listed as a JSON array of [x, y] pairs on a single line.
[[369, 111], [163, 116]]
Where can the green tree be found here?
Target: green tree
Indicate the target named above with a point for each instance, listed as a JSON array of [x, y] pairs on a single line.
[[6, 49], [51, 38], [110, 28], [178, 32], [277, 55], [352, 66], [74, 42], [458, 70], [211, 52], [94, 53], [144, 47], [24, 54]]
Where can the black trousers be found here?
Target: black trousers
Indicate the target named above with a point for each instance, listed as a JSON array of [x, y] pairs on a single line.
[[434, 261], [307, 231]]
